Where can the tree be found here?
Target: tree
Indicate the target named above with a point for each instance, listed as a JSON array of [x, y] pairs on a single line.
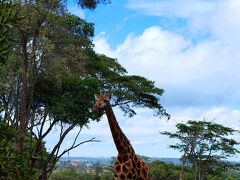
[[98, 171], [205, 145], [51, 76]]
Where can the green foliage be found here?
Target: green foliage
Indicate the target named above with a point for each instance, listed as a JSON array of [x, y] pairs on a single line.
[[69, 103], [206, 145], [231, 174], [129, 91], [168, 171], [13, 165], [8, 19], [161, 171], [73, 175], [158, 171], [91, 4], [65, 52], [107, 176]]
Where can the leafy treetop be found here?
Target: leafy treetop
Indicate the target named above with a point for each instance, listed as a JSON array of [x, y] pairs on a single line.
[[206, 145]]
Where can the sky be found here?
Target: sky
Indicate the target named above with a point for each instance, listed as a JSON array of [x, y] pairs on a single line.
[[190, 48]]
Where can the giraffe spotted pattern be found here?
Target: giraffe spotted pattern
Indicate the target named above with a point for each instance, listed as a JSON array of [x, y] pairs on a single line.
[[130, 167]]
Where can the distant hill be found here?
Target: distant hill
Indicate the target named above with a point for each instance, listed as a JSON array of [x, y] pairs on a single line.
[[107, 160], [171, 160]]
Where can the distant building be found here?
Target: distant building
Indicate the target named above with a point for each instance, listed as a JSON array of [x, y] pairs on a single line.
[[74, 164]]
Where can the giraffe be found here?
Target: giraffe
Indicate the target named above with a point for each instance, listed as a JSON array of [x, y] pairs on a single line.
[[128, 165]]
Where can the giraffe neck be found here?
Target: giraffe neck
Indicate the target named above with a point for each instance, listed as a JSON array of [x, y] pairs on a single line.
[[121, 141]]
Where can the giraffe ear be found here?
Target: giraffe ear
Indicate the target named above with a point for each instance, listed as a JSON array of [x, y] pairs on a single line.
[[95, 96]]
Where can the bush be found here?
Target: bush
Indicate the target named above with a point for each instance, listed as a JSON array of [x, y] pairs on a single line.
[[13, 165]]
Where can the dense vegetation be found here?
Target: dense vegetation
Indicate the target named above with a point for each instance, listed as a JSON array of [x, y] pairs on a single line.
[[9, 18], [159, 171]]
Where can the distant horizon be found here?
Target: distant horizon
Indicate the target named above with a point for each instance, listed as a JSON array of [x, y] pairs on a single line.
[[108, 160], [112, 156], [157, 158]]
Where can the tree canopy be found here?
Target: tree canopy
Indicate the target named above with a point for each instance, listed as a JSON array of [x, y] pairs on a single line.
[[206, 145]]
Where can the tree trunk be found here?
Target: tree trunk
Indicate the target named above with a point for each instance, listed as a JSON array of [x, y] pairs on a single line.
[[37, 150], [43, 177], [44, 174], [181, 174], [23, 113]]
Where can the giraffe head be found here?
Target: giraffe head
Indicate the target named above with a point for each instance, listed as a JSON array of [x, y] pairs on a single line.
[[101, 101]]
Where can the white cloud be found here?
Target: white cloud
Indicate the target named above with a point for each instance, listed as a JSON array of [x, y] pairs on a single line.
[[221, 22], [77, 11], [144, 128], [143, 131], [224, 24], [172, 55], [203, 16], [174, 63], [102, 46], [208, 69], [172, 8]]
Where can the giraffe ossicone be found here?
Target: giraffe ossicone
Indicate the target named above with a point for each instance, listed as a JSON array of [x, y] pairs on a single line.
[[128, 165]]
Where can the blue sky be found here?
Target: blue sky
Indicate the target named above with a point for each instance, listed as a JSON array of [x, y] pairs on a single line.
[[189, 48]]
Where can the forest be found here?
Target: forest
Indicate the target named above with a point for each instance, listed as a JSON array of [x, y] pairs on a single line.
[[49, 73]]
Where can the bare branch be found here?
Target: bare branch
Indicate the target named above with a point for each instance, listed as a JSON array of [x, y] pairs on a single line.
[[74, 146], [122, 103]]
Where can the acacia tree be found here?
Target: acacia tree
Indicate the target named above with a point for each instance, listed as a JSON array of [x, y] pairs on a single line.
[[51, 76], [205, 145]]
